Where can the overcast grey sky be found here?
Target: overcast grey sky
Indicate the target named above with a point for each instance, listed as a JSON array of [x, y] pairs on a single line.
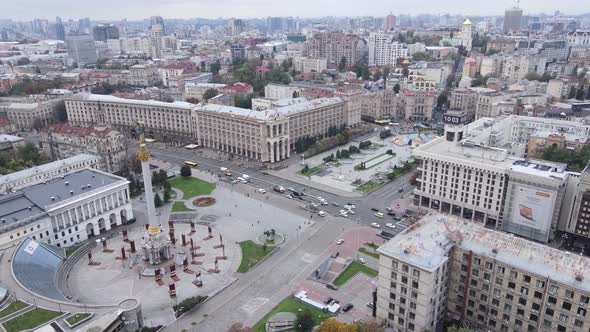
[[137, 9]]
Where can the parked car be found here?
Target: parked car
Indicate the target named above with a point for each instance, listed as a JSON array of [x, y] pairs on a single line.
[[335, 254], [322, 214], [376, 225], [328, 300], [370, 305], [388, 209], [335, 204], [391, 213], [343, 214], [379, 215], [340, 241], [332, 286], [347, 307], [390, 225], [375, 209], [361, 260], [262, 191]]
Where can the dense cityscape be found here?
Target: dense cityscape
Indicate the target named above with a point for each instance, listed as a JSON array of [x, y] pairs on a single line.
[[397, 172]]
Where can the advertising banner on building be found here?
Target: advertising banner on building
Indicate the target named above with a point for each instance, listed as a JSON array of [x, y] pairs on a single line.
[[533, 208]]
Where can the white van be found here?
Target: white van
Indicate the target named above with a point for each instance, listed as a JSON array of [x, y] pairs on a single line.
[[241, 179]]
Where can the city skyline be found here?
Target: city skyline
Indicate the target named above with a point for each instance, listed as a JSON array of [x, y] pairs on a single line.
[[183, 9]]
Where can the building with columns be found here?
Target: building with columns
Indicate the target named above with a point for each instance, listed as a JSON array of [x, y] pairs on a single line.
[[65, 210], [267, 135], [42, 173]]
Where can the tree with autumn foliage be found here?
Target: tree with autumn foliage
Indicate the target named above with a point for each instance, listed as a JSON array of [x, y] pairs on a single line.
[[333, 325]]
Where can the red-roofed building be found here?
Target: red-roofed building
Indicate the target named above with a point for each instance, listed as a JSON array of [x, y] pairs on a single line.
[[7, 127], [238, 88], [261, 71], [64, 140], [314, 93]]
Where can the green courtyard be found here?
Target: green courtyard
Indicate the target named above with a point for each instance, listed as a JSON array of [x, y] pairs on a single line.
[[30, 320], [351, 270], [191, 186], [291, 304], [252, 253]]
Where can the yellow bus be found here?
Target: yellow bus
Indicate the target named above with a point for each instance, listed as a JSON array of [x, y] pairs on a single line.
[[190, 163]]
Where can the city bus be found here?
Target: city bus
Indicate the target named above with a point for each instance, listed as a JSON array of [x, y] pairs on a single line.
[[190, 163]]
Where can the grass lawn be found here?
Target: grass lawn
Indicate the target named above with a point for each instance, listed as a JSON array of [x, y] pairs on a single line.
[[353, 269], [252, 253], [290, 304], [368, 186], [369, 253], [192, 187], [371, 245], [30, 320], [180, 207], [311, 170], [71, 250], [77, 318], [13, 307]]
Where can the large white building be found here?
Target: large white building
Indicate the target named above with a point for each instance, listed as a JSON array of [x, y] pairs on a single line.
[[267, 135], [446, 268], [478, 172], [42, 173], [65, 210], [385, 50]]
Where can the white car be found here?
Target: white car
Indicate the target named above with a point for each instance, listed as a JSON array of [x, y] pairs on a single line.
[[262, 191], [340, 241], [322, 214], [343, 214], [376, 225], [348, 207], [314, 204], [390, 225], [361, 260], [289, 196], [324, 202], [379, 215], [320, 198]]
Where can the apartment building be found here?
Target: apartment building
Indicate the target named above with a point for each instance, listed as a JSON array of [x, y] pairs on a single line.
[[281, 91], [38, 174], [464, 100], [333, 46], [484, 106], [517, 67], [445, 267], [308, 65], [62, 141], [384, 50], [417, 105], [27, 116], [183, 123]]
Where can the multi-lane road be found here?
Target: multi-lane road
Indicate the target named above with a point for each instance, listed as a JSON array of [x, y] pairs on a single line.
[[378, 199]]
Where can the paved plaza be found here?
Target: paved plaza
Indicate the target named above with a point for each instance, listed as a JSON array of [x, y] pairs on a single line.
[[240, 213], [342, 176]]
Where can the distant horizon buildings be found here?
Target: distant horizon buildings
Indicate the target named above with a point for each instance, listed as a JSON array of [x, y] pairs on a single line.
[[389, 22], [512, 19], [81, 48]]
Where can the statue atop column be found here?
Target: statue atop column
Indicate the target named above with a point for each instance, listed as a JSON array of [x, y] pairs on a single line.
[[155, 243]]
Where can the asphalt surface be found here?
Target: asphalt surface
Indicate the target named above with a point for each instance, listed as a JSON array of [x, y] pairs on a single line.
[[378, 199]]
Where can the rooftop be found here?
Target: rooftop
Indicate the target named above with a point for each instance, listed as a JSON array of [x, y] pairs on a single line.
[[58, 164], [426, 244], [40, 198], [309, 105], [113, 99], [80, 131]]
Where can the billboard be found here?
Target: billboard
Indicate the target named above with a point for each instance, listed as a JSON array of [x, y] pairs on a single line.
[[533, 207]]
